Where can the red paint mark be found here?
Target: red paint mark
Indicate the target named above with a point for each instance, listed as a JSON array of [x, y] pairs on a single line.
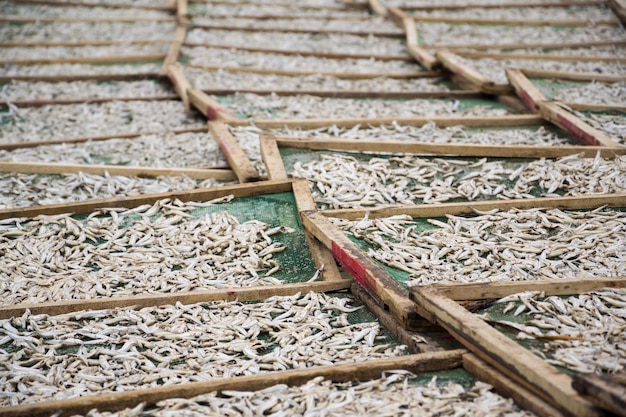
[[352, 265], [567, 124], [231, 293], [211, 113], [528, 100]]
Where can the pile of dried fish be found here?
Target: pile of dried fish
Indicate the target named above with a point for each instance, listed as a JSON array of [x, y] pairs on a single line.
[[337, 43], [612, 125], [21, 90], [429, 132], [514, 245], [370, 25], [464, 34], [9, 8], [65, 356], [159, 248], [341, 181], [588, 329], [52, 52], [391, 395], [24, 190], [252, 9], [305, 106], [236, 58], [156, 150], [72, 69], [587, 14], [493, 69], [221, 79], [88, 31], [34, 124], [595, 93]]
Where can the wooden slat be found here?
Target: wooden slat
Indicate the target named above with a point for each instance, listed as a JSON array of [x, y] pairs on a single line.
[[363, 269], [619, 8], [583, 202], [298, 52], [180, 82], [422, 55], [573, 76], [340, 75], [207, 106], [579, 129], [377, 7], [508, 388], [174, 51], [127, 5], [63, 19], [530, 95], [501, 352], [496, 290], [64, 101], [533, 45], [237, 159], [356, 32], [592, 107], [272, 159], [428, 148], [540, 57], [188, 297], [86, 60], [379, 94], [76, 43], [513, 22], [97, 138], [600, 390], [513, 120], [200, 194], [419, 363], [134, 171], [81, 77], [455, 64], [512, 4]]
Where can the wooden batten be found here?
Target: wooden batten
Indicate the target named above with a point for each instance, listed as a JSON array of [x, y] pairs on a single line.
[[427, 148], [62, 101], [208, 106], [606, 391], [419, 363], [199, 194], [61, 19], [237, 159], [72, 43], [418, 52], [505, 4], [182, 12], [99, 4], [377, 7], [504, 354], [19, 145], [135, 171], [496, 290], [86, 60], [579, 129], [363, 269], [81, 77], [275, 16], [297, 52], [592, 107], [350, 93], [514, 22], [356, 32], [583, 202], [340, 75], [526, 91], [540, 57], [272, 160], [574, 76], [455, 64], [530, 45], [173, 52], [619, 8], [190, 297], [180, 82]]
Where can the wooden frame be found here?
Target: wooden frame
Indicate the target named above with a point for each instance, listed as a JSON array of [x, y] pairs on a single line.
[[504, 354], [376, 280], [28, 19], [420, 54], [454, 63], [514, 4], [113, 59], [87, 4], [550, 110], [526, 22]]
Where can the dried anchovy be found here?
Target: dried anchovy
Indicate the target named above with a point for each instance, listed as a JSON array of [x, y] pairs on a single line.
[[233, 10], [593, 325], [73, 69], [34, 124], [237, 58], [65, 356], [341, 181], [390, 395], [300, 41], [52, 52], [514, 245], [25, 190], [159, 248], [370, 24], [89, 31], [21, 90], [493, 69], [215, 80], [158, 150], [41, 10], [595, 93], [429, 132], [581, 13], [304, 106], [464, 34]]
